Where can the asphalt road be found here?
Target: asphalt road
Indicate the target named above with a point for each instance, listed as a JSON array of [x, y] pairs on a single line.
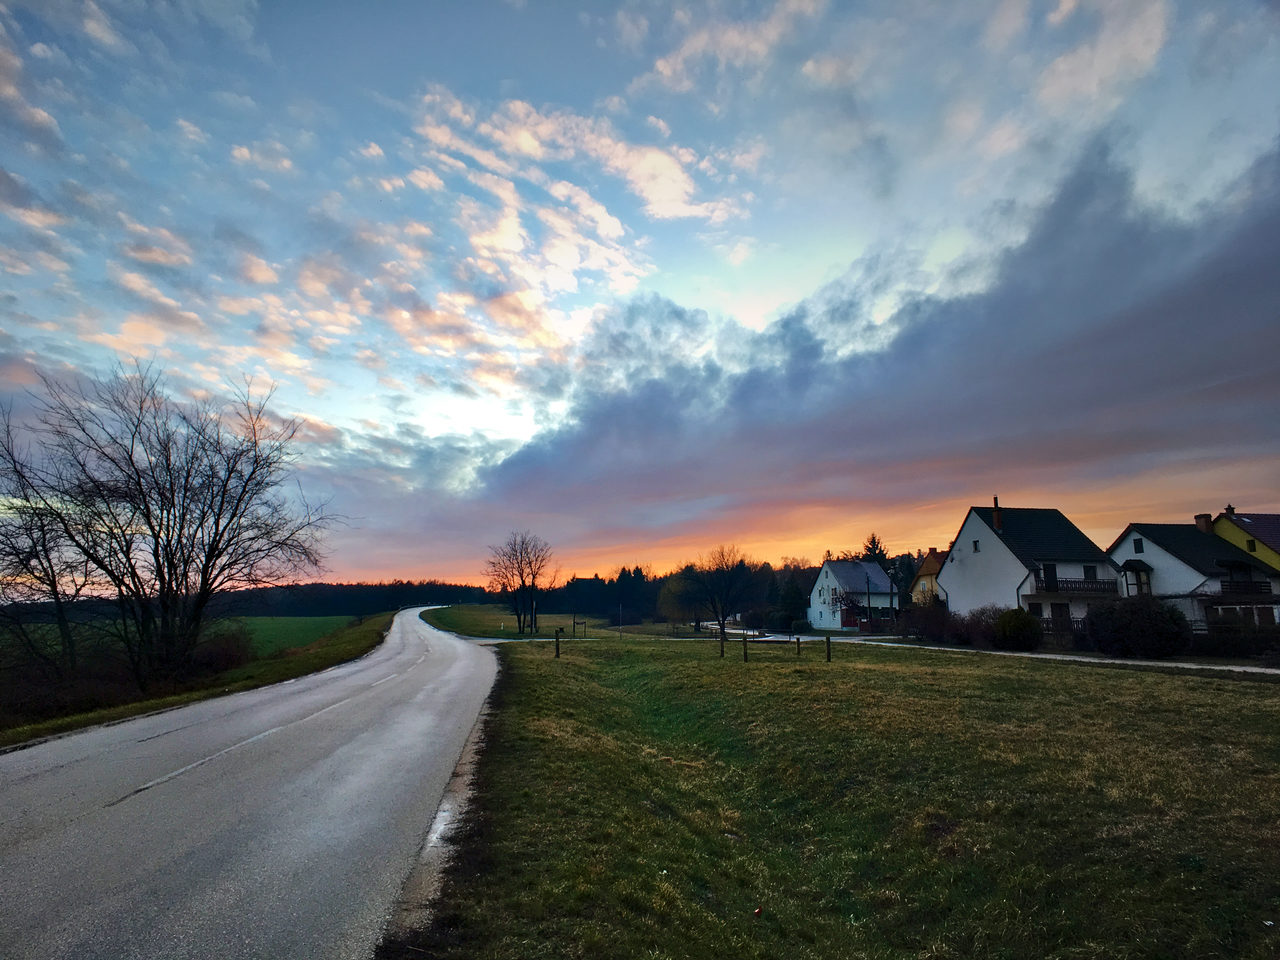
[[276, 823]]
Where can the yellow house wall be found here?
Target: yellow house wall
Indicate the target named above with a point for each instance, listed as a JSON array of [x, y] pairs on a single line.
[[1231, 532]]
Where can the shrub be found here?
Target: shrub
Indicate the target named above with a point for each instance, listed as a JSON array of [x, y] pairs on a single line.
[[929, 621], [801, 626], [1017, 629], [224, 647], [778, 622], [977, 628], [1139, 627], [1235, 636]]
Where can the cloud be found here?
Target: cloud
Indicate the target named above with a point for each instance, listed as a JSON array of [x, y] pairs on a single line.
[[191, 132], [425, 179], [33, 122], [1128, 44], [1087, 363], [372, 151], [735, 44], [256, 270], [271, 155], [1007, 24]]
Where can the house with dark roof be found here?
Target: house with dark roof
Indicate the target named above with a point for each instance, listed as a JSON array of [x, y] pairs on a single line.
[[1026, 557], [844, 585], [924, 585], [1257, 534], [1192, 568]]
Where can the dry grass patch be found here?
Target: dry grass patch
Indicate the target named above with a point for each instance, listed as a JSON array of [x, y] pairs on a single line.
[[645, 798]]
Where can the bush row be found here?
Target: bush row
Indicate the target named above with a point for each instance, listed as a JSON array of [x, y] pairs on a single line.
[[1133, 627]]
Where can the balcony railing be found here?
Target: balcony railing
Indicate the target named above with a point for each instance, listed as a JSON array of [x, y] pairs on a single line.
[[1076, 585], [1248, 588]]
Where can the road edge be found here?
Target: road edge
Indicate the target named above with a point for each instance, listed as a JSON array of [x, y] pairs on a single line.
[[412, 912]]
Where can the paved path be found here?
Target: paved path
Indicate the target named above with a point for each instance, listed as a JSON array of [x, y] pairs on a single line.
[[278, 823]]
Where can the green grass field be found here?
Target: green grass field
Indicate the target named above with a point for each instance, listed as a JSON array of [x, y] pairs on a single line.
[[302, 645], [647, 799], [498, 622], [270, 635]]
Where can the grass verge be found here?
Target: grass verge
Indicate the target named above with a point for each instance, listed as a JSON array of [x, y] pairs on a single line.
[[495, 621], [338, 646], [647, 799]]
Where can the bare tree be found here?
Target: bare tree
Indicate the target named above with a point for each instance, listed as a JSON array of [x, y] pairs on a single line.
[[723, 582], [163, 505], [520, 567]]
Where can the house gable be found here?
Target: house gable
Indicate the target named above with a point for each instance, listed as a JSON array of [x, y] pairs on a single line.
[[980, 568], [1258, 534]]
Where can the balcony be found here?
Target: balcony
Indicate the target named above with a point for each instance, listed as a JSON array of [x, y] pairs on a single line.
[[1077, 586], [1246, 588]]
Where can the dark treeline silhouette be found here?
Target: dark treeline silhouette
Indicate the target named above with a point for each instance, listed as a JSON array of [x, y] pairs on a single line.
[[346, 599]]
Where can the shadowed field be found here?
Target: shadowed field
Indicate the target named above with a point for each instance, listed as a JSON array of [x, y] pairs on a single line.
[[646, 798]]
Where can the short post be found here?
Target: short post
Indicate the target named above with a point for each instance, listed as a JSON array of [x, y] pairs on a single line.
[[744, 646], [828, 648], [797, 644], [559, 630]]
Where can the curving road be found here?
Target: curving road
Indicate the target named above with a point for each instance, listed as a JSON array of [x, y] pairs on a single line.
[[275, 823]]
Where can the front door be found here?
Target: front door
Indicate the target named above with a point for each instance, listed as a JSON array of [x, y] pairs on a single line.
[[1061, 615]]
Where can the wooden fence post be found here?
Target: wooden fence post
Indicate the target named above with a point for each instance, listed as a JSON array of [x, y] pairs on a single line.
[[559, 630], [828, 648]]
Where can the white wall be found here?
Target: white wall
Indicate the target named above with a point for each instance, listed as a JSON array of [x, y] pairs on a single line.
[[990, 576], [1169, 575], [820, 613]]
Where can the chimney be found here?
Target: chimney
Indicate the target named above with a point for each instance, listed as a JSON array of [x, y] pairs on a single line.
[[1230, 511], [996, 516], [1204, 522]]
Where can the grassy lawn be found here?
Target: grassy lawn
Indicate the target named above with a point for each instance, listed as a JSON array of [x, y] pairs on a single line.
[[305, 656], [270, 635], [645, 799], [497, 621]]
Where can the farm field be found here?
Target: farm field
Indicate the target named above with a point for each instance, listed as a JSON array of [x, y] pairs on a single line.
[[271, 635], [645, 798], [283, 647], [498, 622]]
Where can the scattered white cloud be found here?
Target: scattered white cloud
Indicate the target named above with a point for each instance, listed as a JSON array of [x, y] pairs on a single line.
[[256, 270], [1126, 47], [372, 151], [271, 155], [731, 43]]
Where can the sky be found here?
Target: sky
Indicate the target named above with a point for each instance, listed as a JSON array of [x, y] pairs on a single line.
[[649, 277]]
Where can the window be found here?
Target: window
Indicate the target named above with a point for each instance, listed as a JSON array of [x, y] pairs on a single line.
[[1137, 544], [1090, 572], [1252, 545], [1036, 610], [1137, 582], [976, 547]]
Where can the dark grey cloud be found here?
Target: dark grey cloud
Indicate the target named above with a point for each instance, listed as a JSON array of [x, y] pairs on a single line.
[[1112, 340]]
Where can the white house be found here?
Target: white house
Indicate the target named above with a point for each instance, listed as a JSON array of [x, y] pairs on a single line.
[[1024, 557], [1192, 568], [840, 584]]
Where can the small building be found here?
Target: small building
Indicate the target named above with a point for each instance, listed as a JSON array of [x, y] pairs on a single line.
[[842, 587], [1257, 534], [924, 585], [1026, 557], [1190, 567]]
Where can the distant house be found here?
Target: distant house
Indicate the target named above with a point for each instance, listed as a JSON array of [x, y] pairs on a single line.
[[1257, 534], [842, 581], [1024, 557], [1192, 568], [924, 585]]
